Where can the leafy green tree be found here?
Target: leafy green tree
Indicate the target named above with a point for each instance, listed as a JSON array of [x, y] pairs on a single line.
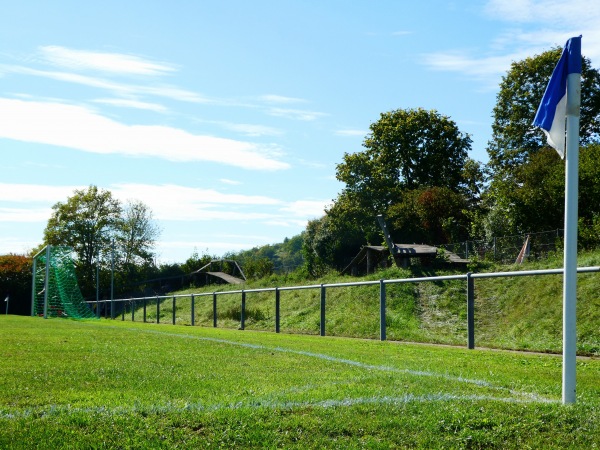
[[320, 246], [514, 138], [196, 261], [532, 198], [407, 151], [96, 225], [15, 283], [589, 196], [435, 215], [258, 267], [526, 179], [290, 253], [136, 233], [87, 222]]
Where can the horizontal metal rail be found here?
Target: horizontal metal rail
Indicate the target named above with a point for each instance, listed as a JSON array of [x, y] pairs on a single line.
[[468, 277], [516, 273]]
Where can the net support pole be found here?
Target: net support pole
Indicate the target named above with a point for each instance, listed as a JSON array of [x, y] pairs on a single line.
[[47, 282], [570, 255], [33, 293], [97, 289], [112, 280], [382, 308]]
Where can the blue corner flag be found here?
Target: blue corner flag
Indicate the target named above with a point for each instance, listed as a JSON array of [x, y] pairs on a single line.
[[552, 111]]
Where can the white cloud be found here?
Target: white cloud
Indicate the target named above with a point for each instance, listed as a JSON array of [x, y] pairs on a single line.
[[231, 182], [201, 245], [546, 24], [306, 208], [168, 202], [247, 129], [132, 104], [20, 193], [351, 132], [483, 67], [287, 223], [16, 246], [79, 128], [271, 98], [25, 215], [553, 12], [122, 89], [295, 114], [171, 192], [100, 61], [173, 202]]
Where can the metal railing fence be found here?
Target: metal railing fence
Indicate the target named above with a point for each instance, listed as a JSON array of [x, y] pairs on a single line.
[[468, 277]]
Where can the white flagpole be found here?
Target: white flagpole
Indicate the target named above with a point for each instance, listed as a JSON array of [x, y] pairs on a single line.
[[570, 252]]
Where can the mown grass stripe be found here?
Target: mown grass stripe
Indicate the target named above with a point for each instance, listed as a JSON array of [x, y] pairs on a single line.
[[532, 396], [56, 410]]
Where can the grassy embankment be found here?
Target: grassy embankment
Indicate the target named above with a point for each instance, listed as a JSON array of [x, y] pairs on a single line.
[[113, 384], [522, 313]]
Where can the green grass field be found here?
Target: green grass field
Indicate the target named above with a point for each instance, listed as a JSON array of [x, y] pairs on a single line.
[[113, 384]]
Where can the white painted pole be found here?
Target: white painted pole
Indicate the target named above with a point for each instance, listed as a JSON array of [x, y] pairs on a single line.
[[570, 255]]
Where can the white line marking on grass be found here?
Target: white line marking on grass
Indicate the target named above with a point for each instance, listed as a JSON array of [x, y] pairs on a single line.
[[531, 396], [56, 410]]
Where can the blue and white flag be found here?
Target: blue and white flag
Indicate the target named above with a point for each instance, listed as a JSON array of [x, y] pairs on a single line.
[[552, 112]]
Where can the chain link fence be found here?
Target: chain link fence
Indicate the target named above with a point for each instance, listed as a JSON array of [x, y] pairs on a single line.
[[506, 249]]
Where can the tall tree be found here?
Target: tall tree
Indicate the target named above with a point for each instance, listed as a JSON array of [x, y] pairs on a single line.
[[406, 149], [87, 222], [407, 153], [514, 139], [136, 233], [526, 189], [15, 283], [96, 225], [436, 215]]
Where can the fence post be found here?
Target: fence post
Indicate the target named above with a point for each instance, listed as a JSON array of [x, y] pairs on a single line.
[[145, 309], [382, 298], [157, 309], [323, 310], [132, 310], [214, 309], [277, 309], [193, 311], [470, 312], [174, 301], [243, 311], [123, 312]]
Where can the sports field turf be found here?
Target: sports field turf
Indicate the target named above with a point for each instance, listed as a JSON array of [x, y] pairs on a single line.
[[112, 384]]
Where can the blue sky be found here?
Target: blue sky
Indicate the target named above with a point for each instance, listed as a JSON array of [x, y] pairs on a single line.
[[228, 117]]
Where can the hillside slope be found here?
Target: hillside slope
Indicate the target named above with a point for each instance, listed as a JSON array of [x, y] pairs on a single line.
[[522, 313]]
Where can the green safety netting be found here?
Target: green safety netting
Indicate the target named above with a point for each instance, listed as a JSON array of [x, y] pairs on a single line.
[[64, 296]]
